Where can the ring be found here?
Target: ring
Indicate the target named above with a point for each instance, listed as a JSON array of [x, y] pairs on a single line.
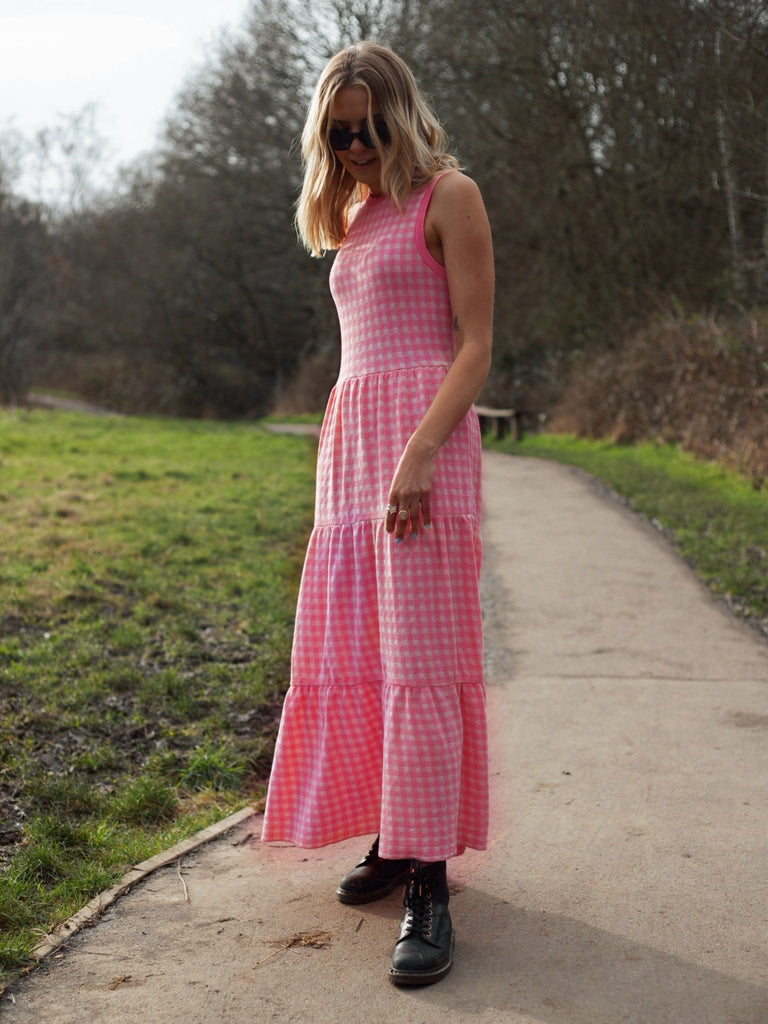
[[391, 509], [403, 514]]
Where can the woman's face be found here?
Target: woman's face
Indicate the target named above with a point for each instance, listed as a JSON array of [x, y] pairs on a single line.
[[350, 111]]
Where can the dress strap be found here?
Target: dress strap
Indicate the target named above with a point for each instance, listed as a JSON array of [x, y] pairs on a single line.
[[429, 188], [421, 216]]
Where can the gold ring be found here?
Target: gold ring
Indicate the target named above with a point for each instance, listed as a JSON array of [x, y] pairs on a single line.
[[403, 514]]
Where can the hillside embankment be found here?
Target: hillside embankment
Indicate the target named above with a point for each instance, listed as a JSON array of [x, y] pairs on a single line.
[[699, 382]]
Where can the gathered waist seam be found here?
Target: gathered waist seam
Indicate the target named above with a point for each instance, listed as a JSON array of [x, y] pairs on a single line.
[[391, 372], [335, 524]]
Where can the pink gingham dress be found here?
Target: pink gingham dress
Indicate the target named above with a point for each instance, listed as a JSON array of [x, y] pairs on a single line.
[[383, 727]]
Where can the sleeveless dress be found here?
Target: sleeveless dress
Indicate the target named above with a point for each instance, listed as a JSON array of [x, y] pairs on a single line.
[[383, 727]]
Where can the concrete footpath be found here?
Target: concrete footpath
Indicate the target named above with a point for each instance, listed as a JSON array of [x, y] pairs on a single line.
[[627, 878]]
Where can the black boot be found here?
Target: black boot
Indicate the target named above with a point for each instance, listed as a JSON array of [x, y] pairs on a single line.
[[424, 952], [372, 878]]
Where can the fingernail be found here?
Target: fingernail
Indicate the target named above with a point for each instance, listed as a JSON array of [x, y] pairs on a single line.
[[398, 540]]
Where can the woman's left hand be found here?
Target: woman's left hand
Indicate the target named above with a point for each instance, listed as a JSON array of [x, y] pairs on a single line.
[[408, 503]]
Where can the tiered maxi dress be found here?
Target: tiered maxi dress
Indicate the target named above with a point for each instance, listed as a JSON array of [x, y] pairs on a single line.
[[383, 727]]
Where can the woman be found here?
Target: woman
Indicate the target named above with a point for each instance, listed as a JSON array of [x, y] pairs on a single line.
[[383, 728]]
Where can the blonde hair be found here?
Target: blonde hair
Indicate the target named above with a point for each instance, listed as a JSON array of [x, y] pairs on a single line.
[[412, 157]]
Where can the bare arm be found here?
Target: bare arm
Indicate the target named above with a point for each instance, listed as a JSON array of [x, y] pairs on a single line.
[[458, 234]]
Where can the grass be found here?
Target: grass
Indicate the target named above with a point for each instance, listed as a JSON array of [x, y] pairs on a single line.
[[306, 418], [148, 577], [714, 517]]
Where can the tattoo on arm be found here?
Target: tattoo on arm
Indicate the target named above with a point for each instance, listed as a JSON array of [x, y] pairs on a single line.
[[456, 323]]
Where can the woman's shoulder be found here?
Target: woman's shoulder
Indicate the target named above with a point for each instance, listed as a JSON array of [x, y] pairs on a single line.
[[454, 192], [454, 186]]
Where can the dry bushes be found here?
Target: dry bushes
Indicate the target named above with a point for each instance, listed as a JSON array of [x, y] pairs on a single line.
[[701, 383], [308, 389]]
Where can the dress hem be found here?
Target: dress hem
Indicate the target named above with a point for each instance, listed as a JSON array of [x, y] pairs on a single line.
[[398, 854]]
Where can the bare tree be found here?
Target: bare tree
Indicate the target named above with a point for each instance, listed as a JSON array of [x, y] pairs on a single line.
[[622, 149], [24, 283], [64, 160]]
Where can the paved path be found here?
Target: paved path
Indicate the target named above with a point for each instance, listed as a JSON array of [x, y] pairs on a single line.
[[626, 881]]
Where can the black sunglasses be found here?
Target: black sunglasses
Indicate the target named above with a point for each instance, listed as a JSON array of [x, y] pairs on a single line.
[[342, 138]]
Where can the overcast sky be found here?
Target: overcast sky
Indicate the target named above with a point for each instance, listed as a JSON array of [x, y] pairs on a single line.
[[129, 57]]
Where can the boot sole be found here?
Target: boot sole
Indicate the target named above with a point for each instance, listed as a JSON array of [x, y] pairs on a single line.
[[356, 898], [423, 977]]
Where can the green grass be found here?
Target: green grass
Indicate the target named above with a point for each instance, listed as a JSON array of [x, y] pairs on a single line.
[[307, 418], [714, 517], [148, 577]]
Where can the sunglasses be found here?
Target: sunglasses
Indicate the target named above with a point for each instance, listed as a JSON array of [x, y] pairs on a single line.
[[342, 138]]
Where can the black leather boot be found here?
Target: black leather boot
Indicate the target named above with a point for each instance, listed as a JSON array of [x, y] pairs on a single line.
[[424, 952], [373, 878]]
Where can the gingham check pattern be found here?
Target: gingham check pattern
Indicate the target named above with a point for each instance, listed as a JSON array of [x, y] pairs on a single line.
[[383, 728]]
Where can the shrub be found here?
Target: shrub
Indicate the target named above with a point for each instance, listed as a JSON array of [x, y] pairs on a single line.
[[699, 383]]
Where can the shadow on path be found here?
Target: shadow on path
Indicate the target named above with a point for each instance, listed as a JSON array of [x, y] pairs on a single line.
[[557, 970]]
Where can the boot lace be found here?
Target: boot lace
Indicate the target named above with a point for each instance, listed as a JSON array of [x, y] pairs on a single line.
[[372, 856], [418, 904]]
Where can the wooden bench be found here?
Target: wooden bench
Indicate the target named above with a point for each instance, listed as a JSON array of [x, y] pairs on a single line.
[[502, 421]]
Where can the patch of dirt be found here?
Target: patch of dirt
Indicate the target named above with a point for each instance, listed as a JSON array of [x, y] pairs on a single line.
[[12, 818], [133, 734], [68, 405]]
